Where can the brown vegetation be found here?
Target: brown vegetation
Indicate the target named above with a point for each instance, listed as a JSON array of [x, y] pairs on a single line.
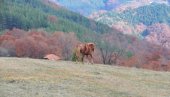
[[111, 48], [37, 44]]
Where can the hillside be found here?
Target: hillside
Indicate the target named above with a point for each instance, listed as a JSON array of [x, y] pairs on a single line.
[[150, 22], [37, 78], [138, 21], [34, 14], [87, 7], [148, 15]]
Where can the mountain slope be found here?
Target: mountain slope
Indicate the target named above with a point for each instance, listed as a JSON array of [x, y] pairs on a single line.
[[150, 22], [148, 15], [145, 15], [87, 7], [30, 14], [32, 77]]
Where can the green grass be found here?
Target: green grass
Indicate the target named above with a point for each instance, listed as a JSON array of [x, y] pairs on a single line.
[[24, 77]]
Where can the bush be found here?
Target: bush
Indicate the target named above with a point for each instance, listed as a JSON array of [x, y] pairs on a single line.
[[129, 54], [74, 57], [36, 44]]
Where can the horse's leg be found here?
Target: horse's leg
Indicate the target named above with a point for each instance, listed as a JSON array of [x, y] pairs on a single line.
[[77, 58], [91, 59], [87, 57], [82, 58]]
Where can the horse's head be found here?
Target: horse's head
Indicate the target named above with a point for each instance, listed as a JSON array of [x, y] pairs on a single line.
[[91, 46]]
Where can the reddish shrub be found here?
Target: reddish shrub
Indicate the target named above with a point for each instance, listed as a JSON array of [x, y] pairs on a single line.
[[36, 44]]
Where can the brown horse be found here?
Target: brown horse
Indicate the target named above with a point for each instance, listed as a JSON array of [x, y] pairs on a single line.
[[83, 50]]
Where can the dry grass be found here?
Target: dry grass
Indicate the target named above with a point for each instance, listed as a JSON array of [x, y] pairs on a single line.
[[23, 77]]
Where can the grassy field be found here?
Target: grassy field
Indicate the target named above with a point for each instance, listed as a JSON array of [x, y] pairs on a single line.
[[24, 77]]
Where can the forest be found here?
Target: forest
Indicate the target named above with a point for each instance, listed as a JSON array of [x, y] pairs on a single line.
[[28, 14], [148, 15]]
